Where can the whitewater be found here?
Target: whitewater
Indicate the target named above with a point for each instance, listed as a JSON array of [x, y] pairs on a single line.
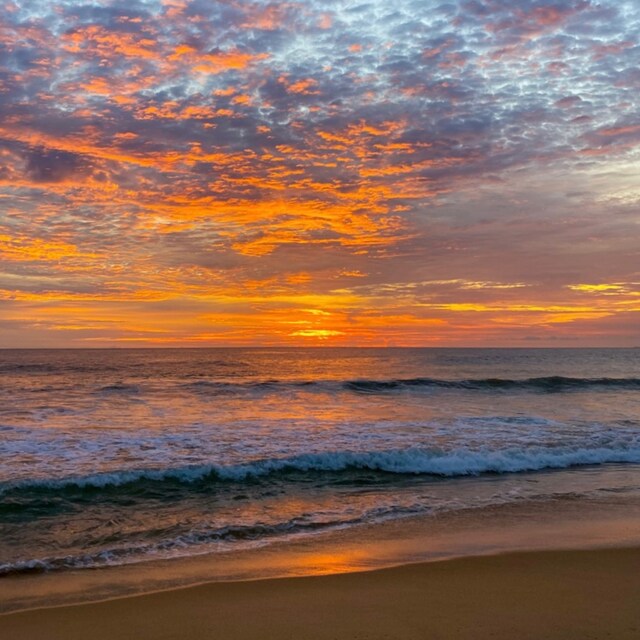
[[114, 457]]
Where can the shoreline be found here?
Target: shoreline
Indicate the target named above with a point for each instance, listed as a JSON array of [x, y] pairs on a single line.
[[525, 527], [552, 594]]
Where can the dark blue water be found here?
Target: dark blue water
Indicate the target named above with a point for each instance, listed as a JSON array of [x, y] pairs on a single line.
[[120, 456]]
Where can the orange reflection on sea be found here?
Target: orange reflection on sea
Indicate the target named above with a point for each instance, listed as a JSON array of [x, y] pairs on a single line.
[[324, 563]]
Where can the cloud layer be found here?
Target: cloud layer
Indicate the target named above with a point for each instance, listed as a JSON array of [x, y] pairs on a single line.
[[197, 172]]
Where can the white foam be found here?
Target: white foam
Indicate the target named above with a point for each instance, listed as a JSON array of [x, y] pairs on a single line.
[[462, 462]]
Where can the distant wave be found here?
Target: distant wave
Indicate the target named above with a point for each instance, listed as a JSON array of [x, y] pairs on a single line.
[[120, 388], [10, 368], [205, 387], [547, 384], [415, 461], [221, 387]]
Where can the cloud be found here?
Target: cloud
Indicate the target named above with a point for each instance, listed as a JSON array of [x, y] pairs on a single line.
[[52, 165], [189, 146]]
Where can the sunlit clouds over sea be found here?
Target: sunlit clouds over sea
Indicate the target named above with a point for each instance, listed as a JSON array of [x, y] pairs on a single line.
[[201, 173]]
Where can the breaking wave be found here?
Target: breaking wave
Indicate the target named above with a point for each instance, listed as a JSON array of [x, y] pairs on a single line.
[[414, 461]]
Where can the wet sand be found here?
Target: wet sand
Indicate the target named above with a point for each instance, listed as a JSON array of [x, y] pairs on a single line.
[[585, 594]]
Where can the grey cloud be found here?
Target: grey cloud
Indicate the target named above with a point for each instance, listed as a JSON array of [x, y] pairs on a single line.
[[50, 165]]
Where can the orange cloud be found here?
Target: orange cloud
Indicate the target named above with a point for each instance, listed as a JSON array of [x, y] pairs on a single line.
[[99, 41], [17, 249]]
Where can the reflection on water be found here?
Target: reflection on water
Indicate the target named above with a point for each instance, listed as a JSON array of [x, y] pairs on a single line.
[[121, 457], [521, 526]]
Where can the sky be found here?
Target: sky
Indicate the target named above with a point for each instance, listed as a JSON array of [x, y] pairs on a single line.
[[319, 173]]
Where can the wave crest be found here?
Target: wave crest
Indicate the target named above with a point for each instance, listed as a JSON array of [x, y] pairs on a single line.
[[546, 384], [414, 461]]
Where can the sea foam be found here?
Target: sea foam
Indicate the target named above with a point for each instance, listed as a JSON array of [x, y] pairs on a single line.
[[413, 461]]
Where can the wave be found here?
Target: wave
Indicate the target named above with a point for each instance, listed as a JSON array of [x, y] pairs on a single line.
[[548, 384], [10, 368], [407, 462], [193, 542], [222, 387], [119, 388], [134, 552], [206, 387], [184, 543]]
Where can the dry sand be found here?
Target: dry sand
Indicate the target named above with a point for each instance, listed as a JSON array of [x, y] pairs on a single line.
[[539, 595]]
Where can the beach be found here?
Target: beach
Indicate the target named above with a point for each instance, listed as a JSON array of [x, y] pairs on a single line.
[[361, 493], [319, 320], [552, 594]]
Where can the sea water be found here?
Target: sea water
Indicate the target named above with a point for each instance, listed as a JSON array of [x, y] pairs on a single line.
[[111, 457]]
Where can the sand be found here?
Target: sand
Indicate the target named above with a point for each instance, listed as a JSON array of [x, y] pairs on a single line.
[[538, 595]]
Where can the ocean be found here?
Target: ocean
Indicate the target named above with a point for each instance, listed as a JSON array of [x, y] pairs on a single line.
[[123, 456]]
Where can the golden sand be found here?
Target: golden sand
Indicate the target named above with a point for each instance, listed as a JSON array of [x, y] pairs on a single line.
[[539, 595]]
